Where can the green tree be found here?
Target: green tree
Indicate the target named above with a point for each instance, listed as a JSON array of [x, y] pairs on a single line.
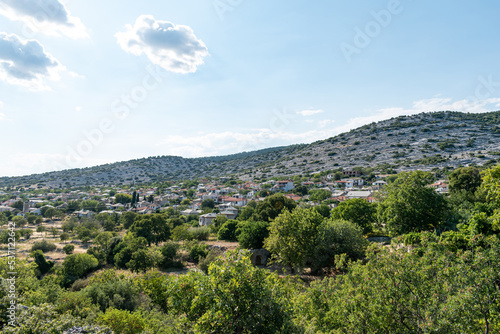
[[18, 205], [252, 234], [73, 206], [50, 213], [319, 195], [42, 264], [272, 206], [152, 227], [227, 231], [358, 211], [78, 265], [127, 219], [207, 203], [292, 237], [68, 249], [140, 261], [123, 198], [411, 206], [336, 238], [466, 178]]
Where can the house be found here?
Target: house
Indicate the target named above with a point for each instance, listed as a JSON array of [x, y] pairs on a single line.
[[293, 197], [379, 183], [283, 186], [234, 201], [83, 213], [189, 212], [351, 173], [364, 194], [207, 219], [230, 212], [440, 186], [6, 208]]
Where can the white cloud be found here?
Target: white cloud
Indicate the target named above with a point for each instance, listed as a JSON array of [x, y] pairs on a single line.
[[426, 105], [2, 115], [173, 47], [324, 123], [48, 17], [220, 143], [26, 63], [310, 112]]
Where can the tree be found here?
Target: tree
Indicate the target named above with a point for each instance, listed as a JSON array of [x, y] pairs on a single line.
[[207, 203], [41, 229], [50, 213], [68, 249], [319, 195], [272, 206], [292, 237], [227, 231], [491, 184], [411, 206], [64, 236], [252, 234], [336, 237], [20, 221], [123, 198], [357, 211], [127, 219], [78, 265], [466, 178], [42, 265], [153, 227], [140, 261], [18, 205]]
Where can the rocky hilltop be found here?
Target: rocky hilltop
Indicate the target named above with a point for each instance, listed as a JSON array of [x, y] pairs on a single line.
[[424, 141]]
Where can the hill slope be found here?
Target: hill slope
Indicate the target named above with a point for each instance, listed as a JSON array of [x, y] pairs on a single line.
[[422, 141]]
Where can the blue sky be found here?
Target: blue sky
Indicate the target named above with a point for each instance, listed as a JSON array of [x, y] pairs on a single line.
[[89, 82]]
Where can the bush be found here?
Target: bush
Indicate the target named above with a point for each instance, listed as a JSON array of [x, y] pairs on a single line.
[[252, 234], [44, 245], [123, 322], [169, 251], [227, 231], [212, 255], [198, 251], [68, 249], [199, 233], [42, 265], [77, 266]]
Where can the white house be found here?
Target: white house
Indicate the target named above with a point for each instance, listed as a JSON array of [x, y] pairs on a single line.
[[207, 219], [284, 185]]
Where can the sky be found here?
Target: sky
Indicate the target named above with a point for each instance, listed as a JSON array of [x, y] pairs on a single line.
[[87, 82]]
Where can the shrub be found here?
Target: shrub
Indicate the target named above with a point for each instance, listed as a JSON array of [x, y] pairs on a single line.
[[68, 249], [44, 245], [123, 322], [252, 234], [199, 233], [198, 251], [227, 231]]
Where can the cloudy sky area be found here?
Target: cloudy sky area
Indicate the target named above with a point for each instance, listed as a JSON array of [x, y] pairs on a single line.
[[91, 82]]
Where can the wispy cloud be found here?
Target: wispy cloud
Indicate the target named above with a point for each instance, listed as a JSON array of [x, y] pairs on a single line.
[[426, 105], [310, 112], [173, 47], [26, 63], [49, 17]]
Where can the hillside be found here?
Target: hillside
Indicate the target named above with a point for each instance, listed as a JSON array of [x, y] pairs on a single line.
[[423, 141]]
